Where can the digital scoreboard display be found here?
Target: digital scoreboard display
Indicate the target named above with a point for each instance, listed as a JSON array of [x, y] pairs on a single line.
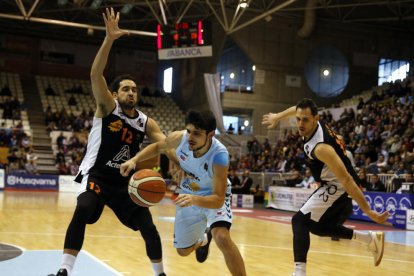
[[184, 40]]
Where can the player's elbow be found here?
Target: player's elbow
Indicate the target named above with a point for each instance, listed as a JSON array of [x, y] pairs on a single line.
[[218, 202]]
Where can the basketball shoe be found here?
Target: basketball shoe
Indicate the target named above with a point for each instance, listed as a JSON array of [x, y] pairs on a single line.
[[61, 272], [202, 251], [376, 246]]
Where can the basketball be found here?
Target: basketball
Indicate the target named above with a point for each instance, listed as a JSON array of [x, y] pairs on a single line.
[[146, 187]]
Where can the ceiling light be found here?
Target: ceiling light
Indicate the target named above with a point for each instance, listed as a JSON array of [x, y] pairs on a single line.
[[96, 4], [243, 4], [126, 8]]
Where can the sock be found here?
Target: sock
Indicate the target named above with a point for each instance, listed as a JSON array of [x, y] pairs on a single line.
[[205, 240], [300, 269], [363, 237], [68, 261], [158, 268]]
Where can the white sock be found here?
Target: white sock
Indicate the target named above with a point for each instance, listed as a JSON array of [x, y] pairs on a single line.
[[68, 262], [205, 240], [363, 237], [158, 268], [300, 269]]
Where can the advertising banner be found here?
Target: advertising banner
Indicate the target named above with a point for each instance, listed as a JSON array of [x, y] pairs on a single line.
[[382, 202], [2, 175], [410, 219], [15, 181], [66, 184], [285, 198]]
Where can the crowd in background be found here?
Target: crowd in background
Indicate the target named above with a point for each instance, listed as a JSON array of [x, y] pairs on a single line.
[[379, 134]]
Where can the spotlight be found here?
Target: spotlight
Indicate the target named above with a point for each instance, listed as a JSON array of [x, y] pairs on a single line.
[[243, 4]]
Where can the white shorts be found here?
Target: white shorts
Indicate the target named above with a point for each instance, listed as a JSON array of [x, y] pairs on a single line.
[[191, 222], [322, 199]]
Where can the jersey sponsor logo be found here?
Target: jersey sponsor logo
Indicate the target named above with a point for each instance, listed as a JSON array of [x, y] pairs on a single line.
[[140, 123], [190, 185], [113, 164], [194, 186], [123, 154], [183, 157], [115, 126]]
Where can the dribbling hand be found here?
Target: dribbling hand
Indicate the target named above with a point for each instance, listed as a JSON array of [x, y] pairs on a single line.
[[127, 167]]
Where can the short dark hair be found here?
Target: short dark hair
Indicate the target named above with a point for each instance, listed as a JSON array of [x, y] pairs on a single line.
[[308, 103], [201, 119], [114, 86]]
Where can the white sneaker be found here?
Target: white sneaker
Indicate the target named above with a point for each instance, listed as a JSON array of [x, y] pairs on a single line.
[[376, 246]]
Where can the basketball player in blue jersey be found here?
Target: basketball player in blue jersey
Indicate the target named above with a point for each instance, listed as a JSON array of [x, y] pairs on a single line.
[[322, 212], [204, 201], [117, 132]]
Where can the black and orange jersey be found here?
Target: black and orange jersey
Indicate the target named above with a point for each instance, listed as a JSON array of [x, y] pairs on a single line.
[[321, 173], [113, 140]]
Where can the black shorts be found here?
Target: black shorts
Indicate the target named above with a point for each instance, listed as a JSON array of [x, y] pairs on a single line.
[[114, 193]]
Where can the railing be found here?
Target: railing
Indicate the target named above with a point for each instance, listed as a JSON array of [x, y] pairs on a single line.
[[265, 180]]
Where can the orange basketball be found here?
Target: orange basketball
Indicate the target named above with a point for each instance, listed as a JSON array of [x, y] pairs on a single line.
[[146, 187]]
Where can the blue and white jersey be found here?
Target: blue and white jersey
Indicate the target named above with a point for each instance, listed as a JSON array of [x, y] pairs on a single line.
[[199, 171]]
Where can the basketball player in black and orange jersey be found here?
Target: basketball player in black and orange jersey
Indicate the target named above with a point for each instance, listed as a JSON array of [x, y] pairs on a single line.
[[330, 166], [117, 132]]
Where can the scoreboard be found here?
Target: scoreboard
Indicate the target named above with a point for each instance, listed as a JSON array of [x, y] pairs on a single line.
[[184, 40]]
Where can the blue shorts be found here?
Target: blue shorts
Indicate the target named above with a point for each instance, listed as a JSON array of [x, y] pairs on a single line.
[[191, 222]]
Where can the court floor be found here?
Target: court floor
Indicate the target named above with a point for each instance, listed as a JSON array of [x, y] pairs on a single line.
[[33, 225]]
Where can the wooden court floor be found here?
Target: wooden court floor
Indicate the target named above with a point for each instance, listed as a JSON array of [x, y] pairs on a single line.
[[38, 221]]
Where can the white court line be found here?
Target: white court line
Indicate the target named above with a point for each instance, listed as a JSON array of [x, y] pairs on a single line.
[[239, 244], [101, 262]]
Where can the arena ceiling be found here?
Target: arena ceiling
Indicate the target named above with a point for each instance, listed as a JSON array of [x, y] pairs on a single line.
[[71, 19]]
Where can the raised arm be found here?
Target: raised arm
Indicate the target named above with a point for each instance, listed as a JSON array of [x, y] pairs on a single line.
[[104, 100], [327, 155], [162, 146], [272, 119]]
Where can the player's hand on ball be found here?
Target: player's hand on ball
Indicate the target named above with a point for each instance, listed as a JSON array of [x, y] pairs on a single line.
[[184, 200], [127, 167]]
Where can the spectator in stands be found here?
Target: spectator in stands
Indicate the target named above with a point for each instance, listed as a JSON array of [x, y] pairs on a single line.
[[307, 180], [230, 129], [14, 161], [60, 140], [234, 179], [375, 184], [245, 185], [49, 91], [5, 91], [360, 103], [31, 167], [72, 101], [380, 166], [62, 168], [31, 156], [362, 182], [396, 144], [294, 177]]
